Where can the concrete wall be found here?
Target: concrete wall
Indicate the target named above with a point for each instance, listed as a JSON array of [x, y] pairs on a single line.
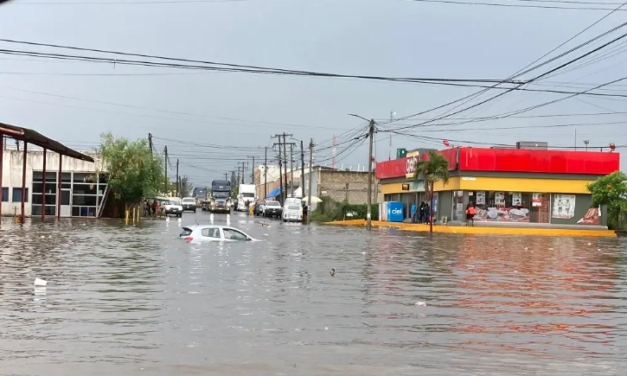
[[351, 186], [12, 172]]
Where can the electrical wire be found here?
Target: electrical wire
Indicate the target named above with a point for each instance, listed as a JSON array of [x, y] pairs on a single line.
[[524, 70], [503, 5]]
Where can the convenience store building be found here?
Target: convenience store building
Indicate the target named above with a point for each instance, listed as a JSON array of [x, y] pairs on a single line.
[[507, 186]]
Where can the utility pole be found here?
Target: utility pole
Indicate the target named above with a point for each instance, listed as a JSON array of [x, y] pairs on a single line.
[[243, 171], [165, 192], [311, 148], [265, 174], [369, 208], [285, 159], [238, 175], [302, 170], [292, 169], [178, 181], [280, 167], [252, 174], [150, 142]]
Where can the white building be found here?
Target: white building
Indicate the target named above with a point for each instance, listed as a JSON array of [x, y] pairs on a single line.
[[83, 184]]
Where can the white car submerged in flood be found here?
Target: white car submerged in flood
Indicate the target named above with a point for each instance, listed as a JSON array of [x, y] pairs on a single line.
[[213, 233]]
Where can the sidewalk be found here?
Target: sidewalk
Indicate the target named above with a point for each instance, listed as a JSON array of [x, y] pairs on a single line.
[[481, 229]]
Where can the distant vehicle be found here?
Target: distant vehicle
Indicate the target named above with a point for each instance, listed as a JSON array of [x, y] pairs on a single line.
[[292, 210], [173, 206], [189, 203], [245, 196], [213, 233], [272, 209], [220, 197]]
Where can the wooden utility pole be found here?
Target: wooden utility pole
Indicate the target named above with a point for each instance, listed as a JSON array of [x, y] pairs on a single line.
[[280, 167], [292, 169], [302, 170], [243, 171], [165, 186], [311, 149], [265, 174], [252, 174], [285, 169], [226, 176], [150, 142], [178, 181], [371, 131]]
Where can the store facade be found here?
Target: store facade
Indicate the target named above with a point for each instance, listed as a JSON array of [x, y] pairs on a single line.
[[514, 185]]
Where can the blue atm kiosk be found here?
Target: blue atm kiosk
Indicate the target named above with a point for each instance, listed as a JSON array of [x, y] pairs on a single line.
[[395, 211]]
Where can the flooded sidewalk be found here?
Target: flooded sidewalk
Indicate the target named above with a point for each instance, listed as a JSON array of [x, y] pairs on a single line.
[[481, 229], [136, 300]]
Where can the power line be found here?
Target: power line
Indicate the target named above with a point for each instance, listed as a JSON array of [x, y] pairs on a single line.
[[211, 65], [502, 5]]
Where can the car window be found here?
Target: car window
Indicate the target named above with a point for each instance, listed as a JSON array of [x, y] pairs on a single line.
[[211, 233], [291, 207], [233, 234], [186, 231]]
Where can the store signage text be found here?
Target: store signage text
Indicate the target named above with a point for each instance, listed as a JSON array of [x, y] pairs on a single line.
[[410, 168]]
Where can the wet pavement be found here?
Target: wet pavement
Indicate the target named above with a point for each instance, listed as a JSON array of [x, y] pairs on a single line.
[[124, 300]]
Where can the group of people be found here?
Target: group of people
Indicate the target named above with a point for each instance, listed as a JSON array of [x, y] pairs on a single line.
[[151, 209], [422, 214]]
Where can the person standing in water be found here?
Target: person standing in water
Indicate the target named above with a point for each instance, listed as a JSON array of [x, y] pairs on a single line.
[[470, 214]]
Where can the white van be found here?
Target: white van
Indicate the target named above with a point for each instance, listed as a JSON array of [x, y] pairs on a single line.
[[292, 210]]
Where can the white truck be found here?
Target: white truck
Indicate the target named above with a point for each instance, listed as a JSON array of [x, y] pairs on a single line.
[[245, 196]]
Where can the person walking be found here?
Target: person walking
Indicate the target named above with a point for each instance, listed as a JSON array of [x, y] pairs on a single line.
[[420, 213], [427, 213], [470, 214], [155, 207]]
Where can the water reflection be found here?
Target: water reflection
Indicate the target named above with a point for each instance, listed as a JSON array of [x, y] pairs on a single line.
[[130, 300]]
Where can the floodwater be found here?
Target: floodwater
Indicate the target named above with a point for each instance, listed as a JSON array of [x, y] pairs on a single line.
[[124, 300]]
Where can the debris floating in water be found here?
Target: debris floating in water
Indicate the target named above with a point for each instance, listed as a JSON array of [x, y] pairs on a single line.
[[421, 304], [40, 282]]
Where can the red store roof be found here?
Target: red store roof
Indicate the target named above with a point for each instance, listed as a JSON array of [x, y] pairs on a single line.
[[515, 160]]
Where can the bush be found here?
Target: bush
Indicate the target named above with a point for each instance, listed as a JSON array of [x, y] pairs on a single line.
[[330, 210]]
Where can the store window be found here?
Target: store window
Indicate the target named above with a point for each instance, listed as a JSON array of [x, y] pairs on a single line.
[[502, 206], [17, 195]]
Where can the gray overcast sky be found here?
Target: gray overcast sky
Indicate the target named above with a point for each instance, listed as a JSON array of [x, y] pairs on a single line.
[[369, 37]]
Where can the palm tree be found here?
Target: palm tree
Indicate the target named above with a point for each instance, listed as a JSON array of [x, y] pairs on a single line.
[[435, 168]]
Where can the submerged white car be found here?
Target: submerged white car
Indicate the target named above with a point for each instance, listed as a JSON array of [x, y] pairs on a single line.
[[213, 233]]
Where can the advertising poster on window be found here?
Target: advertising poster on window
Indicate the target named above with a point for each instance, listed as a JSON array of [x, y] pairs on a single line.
[[502, 215], [591, 217], [563, 206], [499, 198], [536, 199], [516, 199], [480, 198]]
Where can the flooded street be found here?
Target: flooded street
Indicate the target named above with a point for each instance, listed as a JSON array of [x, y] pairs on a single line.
[[124, 300]]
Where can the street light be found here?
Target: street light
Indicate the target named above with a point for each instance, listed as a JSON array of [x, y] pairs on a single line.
[[586, 142], [371, 136]]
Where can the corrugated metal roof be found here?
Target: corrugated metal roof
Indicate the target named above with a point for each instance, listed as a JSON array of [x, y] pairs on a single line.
[[33, 137]]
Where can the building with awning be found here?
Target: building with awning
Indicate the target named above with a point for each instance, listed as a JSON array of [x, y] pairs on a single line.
[[529, 186], [36, 182]]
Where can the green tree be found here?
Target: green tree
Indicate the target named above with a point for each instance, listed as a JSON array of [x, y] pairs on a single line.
[[611, 191], [134, 173], [186, 187], [434, 169]]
